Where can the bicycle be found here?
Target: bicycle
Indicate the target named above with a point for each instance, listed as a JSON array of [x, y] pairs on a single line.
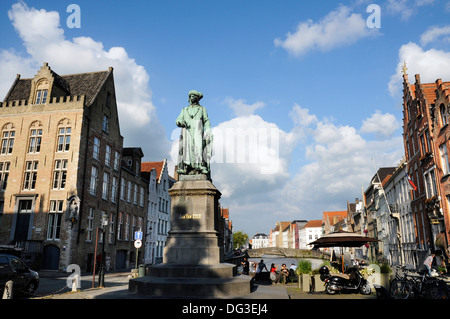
[[398, 286]]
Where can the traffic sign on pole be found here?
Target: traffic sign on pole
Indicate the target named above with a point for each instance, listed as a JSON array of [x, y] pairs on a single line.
[[138, 243], [137, 235]]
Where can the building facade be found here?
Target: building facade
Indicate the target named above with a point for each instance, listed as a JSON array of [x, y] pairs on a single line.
[[424, 124], [310, 232], [158, 214], [60, 165]]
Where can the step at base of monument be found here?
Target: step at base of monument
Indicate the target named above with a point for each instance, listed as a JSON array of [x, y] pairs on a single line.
[[223, 270], [178, 287]]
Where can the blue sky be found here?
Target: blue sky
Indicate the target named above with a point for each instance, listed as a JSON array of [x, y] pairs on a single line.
[[313, 74]]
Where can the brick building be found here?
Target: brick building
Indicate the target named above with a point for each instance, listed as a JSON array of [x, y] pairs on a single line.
[[61, 170], [425, 122]]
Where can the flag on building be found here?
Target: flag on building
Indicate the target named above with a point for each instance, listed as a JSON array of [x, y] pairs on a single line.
[[410, 180]]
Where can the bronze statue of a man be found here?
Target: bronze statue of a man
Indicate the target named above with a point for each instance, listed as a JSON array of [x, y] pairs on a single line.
[[195, 146]]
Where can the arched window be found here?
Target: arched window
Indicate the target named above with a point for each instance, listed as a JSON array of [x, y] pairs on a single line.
[[64, 132], [35, 139], [8, 135]]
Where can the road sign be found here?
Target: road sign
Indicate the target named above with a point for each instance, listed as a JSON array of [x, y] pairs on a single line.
[[138, 243], [137, 235]]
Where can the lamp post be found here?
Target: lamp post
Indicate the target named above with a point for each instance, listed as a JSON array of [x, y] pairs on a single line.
[[101, 276]]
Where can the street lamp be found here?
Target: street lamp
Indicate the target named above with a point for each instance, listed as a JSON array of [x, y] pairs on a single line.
[[101, 276]]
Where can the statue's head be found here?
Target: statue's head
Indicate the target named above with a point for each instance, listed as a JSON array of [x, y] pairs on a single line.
[[195, 96]]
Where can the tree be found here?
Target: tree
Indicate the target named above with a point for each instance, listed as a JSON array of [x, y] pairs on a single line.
[[239, 239]]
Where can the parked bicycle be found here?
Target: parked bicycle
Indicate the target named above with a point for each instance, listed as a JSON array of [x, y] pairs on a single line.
[[398, 286]]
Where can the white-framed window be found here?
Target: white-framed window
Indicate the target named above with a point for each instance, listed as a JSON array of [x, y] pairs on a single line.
[[123, 186], [130, 190], [34, 144], [116, 160], [94, 178], [90, 225], [60, 174], [444, 159], [108, 155], [96, 150], [54, 219], [41, 96], [136, 193], [64, 139], [29, 181], [105, 186], [114, 189], [7, 141]]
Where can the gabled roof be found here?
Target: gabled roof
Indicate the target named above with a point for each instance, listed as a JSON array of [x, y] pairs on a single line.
[[313, 223], [158, 166], [87, 84]]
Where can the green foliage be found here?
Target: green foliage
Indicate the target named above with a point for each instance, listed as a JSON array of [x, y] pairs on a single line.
[[303, 267], [239, 239], [385, 268]]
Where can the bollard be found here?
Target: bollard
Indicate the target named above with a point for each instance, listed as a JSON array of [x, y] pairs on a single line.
[[8, 292], [141, 272]]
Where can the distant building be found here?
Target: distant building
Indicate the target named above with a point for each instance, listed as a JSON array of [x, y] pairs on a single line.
[[310, 232], [260, 240], [330, 219], [158, 215]]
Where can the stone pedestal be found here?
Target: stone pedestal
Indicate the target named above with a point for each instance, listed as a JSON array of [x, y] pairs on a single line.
[[193, 255]]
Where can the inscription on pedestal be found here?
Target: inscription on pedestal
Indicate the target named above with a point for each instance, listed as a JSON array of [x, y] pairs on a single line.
[[191, 216]]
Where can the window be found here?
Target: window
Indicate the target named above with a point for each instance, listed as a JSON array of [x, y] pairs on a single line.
[[35, 141], [90, 225], [29, 182], [96, 151], [111, 228], [116, 160], [108, 156], [64, 139], [114, 189], [130, 190], [41, 96], [141, 196], [105, 125], [444, 159], [108, 99], [54, 219], [94, 177], [127, 227], [120, 226], [7, 141], [443, 113], [4, 174], [136, 193], [430, 183], [60, 174], [122, 189], [105, 186]]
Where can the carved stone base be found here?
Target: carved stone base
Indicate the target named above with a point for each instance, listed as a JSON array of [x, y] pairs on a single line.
[[193, 255]]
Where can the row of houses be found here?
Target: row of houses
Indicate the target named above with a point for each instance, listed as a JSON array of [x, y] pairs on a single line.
[[70, 192], [406, 207]]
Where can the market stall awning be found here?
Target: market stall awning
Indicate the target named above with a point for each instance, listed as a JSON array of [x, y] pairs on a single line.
[[342, 239]]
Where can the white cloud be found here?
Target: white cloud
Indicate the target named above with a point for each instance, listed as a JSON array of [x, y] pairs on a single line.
[[338, 28], [430, 64], [44, 41], [341, 164], [380, 124], [241, 108], [433, 33]]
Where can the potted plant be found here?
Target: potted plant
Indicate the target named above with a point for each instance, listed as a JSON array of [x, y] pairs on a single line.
[[303, 270]]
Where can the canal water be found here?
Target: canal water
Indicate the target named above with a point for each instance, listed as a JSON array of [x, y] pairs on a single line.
[[277, 260]]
